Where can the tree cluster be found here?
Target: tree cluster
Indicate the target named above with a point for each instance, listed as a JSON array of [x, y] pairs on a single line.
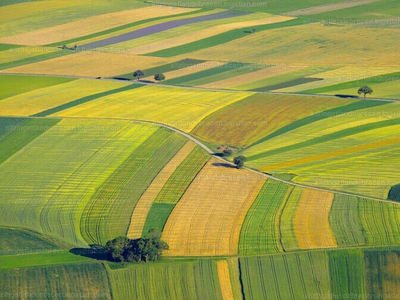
[[145, 249]]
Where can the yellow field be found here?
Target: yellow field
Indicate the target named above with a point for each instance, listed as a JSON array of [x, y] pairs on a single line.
[[142, 208], [23, 52], [42, 99], [182, 37], [237, 81], [179, 108], [92, 64], [208, 218], [90, 25], [10, 12], [189, 70], [312, 45], [224, 280], [391, 273], [311, 221]]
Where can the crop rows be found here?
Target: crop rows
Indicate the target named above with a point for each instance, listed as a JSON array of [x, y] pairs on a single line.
[[108, 212], [175, 281], [258, 116], [143, 206], [260, 230], [207, 219]]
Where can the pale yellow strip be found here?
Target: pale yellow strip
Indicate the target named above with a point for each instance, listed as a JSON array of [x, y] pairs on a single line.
[[268, 71], [90, 25], [311, 221], [202, 34], [208, 218], [143, 206], [224, 280]]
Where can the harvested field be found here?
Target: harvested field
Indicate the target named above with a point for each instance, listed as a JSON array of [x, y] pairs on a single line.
[[311, 222], [208, 218], [142, 208], [224, 280]]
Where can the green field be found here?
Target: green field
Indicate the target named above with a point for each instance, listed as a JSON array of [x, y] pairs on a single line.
[[260, 231], [174, 280]]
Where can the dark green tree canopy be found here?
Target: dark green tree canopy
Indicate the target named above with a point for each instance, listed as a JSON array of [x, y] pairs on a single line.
[[365, 90], [147, 248], [239, 161], [159, 77], [138, 73]]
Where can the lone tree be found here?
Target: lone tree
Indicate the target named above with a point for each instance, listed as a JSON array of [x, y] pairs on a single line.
[[159, 77], [147, 248], [365, 90], [239, 161], [138, 73]]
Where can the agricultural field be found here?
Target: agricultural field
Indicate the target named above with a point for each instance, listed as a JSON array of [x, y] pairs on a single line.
[[91, 154], [180, 108], [207, 227]]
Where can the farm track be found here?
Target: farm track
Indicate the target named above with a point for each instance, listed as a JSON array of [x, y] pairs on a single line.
[[201, 88], [198, 142]]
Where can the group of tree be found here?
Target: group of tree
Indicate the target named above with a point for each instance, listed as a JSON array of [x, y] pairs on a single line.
[[145, 249], [157, 77]]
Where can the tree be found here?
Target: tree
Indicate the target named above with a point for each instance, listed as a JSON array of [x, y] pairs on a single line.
[[159, 77], [138, 74], [147, 248], [227, 152], [239, 161], [365, 90]]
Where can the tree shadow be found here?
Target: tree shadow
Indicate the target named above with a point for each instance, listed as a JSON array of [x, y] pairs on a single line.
[[226, 165], [346, 96], [95, 252]]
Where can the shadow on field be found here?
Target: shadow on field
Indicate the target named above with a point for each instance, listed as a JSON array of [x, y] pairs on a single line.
[[224, 165], [346, 96], [95, 252]]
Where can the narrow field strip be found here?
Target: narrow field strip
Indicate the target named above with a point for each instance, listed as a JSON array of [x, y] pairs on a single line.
[[311, 222], [90, 25], [160, 27], [260, 230], [90, 64], [224, 280], [244, 79], [287, 233], [143, 206], [208, 218], [45, 99], [185, 38]]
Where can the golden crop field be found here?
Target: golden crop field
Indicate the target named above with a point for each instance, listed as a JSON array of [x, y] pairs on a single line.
[[312, 45], [179, 108], [143, 206], [240, 82], [189, 70], [311, 221], [224, 280], [91, 64], [187, 34], [90, 25], [208, 218], [36, 101]]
